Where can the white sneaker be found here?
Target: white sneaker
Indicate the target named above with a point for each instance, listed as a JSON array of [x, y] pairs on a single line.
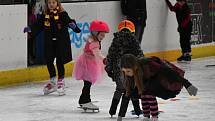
[[50, 86], [60, 87], [90, 105], [146, 119]]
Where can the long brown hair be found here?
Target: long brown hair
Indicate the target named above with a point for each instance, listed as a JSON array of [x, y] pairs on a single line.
[[129, 61], [61, 9]]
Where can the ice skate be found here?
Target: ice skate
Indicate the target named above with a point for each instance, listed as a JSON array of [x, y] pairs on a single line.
[[89, 106], [60, 87], [186, 58], [50, 87]]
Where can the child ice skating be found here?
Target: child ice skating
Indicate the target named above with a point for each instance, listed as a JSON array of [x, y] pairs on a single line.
[[184, 27], [89, 65], [124, 42], [153, 78], [55, 22]]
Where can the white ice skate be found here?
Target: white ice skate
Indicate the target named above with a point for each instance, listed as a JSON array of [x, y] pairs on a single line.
[[50, 87], [60, 87], [89, 106]]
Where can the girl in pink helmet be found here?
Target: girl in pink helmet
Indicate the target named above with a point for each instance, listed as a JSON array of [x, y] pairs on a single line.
[[89, 65]]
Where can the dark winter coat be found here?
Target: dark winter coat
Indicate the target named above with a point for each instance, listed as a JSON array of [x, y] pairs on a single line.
[[123, 43], [134, 9], [59, 30], [161, 78]]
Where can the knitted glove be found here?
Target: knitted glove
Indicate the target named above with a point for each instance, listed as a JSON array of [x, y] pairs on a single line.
[[192, 90], [27, 29], [72, 25]]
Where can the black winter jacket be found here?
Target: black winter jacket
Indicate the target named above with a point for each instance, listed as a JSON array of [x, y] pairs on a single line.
[[123, 43], [61, 47]]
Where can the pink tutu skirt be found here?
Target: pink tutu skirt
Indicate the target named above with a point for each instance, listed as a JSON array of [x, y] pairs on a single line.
[[88, 68]]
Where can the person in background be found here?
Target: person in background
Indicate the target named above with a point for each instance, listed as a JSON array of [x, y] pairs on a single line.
[[135, 11], [55, 22], [183, 15]]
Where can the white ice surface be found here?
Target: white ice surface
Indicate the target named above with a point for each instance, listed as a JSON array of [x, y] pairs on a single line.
[[27, 103]]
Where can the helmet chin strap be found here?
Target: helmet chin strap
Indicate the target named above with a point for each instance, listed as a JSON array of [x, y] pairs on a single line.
[[95, 34]]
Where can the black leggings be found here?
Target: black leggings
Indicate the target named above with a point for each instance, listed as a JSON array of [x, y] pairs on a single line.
[[60, 68], [85, 95]]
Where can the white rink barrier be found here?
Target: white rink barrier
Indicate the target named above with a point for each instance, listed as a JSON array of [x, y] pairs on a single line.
[[13, 42]]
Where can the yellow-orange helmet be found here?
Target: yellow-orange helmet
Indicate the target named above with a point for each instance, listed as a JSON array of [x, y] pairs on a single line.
[[126, 24]]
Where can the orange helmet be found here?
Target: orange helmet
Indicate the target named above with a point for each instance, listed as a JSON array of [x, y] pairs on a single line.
[[126, 24], [99, 26]]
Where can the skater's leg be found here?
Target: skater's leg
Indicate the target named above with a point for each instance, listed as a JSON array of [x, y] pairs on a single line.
[[153, 106], [123, 106], [136, 105], [135, 101], [116, 98], [60, 82], [60, 68], [84, 100], [85, 95], [51, 85], [51, 69], [145, 106]]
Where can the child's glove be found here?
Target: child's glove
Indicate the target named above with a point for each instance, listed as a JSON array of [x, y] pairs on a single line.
[[192, 90], [74, 27], [27, 29], [105, 61]]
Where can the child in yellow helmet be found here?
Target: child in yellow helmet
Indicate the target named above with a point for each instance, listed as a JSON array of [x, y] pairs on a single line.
[[124, 42]]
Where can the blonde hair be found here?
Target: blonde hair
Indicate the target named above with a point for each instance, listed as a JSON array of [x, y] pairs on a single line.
[[61, 9]]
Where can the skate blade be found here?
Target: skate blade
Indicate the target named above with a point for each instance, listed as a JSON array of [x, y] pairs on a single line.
[[94, 110], [185, 62]]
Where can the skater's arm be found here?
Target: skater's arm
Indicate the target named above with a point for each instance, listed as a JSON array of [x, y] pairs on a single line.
[[191, 89], [71, 23], [186, 83], [94, 46], [38, 26]]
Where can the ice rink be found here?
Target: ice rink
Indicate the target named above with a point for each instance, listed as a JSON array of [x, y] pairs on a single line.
[[27, 102]]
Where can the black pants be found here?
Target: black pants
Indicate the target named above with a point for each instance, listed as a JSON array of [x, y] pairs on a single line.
[[125, 101], [140, 25], [185, 37], [85, 95], [120, 93], [59, 63]]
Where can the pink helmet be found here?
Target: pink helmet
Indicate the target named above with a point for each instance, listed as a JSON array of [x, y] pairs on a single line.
[[99, 26]]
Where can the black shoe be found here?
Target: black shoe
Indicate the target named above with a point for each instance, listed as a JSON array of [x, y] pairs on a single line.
[[186, 58]]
